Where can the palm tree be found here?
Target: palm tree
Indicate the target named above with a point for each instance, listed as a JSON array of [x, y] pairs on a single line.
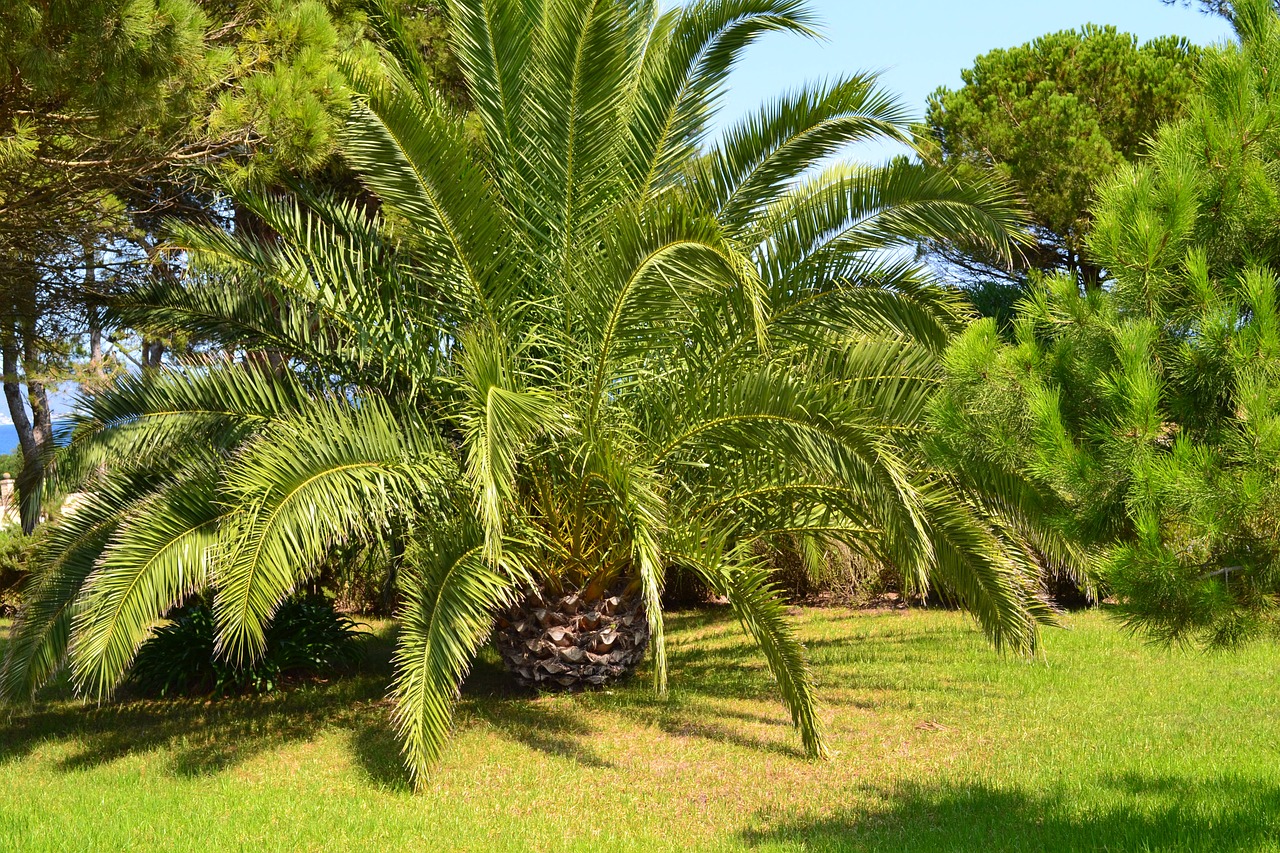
[[573, 343]]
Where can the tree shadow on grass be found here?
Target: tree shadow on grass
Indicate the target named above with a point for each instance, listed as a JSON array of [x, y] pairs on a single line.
[[202, 738], [518, 714], [722, 664], [547, 730], [199, 736], [1130, 812], [490, 698], [730, 665]]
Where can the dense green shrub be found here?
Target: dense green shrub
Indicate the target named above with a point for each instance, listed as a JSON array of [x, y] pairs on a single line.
[[360, 578], [15, 556], [11, 463], [306, 638], [828, 573]]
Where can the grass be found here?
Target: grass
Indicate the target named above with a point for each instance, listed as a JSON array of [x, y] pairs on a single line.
[[1102, 744]]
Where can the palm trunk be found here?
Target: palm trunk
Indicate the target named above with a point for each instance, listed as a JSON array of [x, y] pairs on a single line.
[[571, 641]]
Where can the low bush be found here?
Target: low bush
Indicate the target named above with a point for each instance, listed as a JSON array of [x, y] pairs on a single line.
[[16, 552], [307, 638], [833, 575], [359, 578]]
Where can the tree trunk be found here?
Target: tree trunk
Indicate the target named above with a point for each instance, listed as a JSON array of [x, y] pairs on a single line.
[[95, 341], [13, 396], [1090, 276], [29, 435], [93, 312], [153, 350], [152, 354], [387, 600]]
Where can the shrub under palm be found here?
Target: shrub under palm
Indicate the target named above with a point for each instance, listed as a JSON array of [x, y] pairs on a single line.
[[574, 344]]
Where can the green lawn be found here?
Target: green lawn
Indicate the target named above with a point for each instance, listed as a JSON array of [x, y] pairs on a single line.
[[1103, 744]]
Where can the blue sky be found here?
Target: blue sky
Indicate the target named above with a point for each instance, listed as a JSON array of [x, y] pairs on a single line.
[[919, 45]]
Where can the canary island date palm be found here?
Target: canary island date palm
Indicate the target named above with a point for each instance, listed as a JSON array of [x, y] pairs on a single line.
[[574, 342]]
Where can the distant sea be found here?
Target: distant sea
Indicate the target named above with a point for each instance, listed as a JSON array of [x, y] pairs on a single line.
[[9, 436]]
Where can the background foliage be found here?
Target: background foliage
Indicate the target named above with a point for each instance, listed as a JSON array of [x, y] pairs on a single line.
[[1053, 117]]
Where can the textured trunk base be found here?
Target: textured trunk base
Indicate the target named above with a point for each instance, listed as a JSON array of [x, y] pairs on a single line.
[[566, 643]]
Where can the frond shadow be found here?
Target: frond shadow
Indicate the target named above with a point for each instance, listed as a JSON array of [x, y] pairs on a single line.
[[200, 737], [713, 666]]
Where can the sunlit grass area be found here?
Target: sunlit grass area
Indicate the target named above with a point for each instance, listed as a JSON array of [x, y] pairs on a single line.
[[1101, 744]]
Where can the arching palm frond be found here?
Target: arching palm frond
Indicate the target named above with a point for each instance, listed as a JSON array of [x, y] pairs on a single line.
[[993, 582], [758, 160], [212, 404], [498, 417], [333, 473], [158, 555], [682, 77], [40, 635], [748, 585], [447, 618], [412, 151], [849, 210]]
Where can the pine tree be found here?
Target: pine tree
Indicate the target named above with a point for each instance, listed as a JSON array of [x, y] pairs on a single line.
[[1054, 117], [1149, 413], [109, 113]]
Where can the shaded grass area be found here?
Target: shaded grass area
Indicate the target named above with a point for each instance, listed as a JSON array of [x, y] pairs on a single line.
[[1101, 744]]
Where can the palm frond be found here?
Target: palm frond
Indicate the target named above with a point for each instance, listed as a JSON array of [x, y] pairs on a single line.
[[40, 635], [762, 611], [641, 290], [641, 505], [998, 585], [412, 151], [772, 411], [492, 41], [498, 417], [210, 403], [849, 210], [335, 473], [452, 596], [159, 555], [758, 159], [685, 68]]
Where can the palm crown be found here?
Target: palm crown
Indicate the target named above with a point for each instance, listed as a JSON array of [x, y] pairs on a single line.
[[575, 343]]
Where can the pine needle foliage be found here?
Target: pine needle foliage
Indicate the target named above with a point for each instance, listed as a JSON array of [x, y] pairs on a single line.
[[1148, 414], [579, 346]]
